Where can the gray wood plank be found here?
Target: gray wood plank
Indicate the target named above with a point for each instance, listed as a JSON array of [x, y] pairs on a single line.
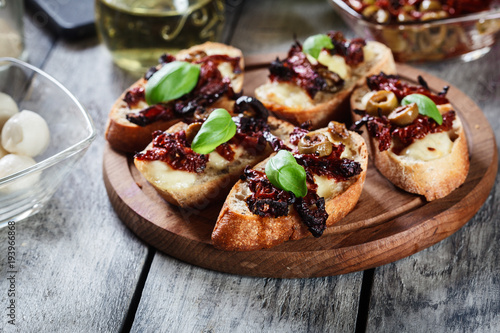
[[452, 286], [183, 298], [270, 26], [78, 265], [38, 41]]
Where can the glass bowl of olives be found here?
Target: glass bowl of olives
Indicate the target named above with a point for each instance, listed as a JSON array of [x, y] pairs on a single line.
[[425, 30]]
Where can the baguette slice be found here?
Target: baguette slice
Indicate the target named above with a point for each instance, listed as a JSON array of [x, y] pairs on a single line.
[[419, 172], [128, 137], [238, 229], [197, 190], [291, 102]]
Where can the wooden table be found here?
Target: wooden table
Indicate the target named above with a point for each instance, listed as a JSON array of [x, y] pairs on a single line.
[[81, 270]]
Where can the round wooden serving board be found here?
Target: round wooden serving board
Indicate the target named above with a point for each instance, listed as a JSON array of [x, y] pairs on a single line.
[[386, 225]]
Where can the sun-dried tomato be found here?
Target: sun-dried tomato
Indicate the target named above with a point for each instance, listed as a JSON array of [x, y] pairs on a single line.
[[172, 149], [385, 132], [225, 151], [401, 89], [331, 166], [134, 96], [210, 87], [266, 200], [351, 50], [151, 114], [297, 134], [311, 210], [254, 134]]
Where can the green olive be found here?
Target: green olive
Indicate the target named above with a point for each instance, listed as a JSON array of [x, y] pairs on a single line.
[[404, 115], [405, 17], [315, 143], [191, 132], [383, 101], [369, 11], [430, 5], [434, 15], [369, 2], [395, 39], [382, 16], [431, 39], [338, 130], [408, 8]]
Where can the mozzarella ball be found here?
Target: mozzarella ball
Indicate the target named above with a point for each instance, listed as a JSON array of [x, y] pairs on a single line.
[[3, 152], [8, 108], [12, 163], [25, 133]]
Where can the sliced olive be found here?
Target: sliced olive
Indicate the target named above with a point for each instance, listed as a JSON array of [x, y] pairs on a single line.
[[430, 5], [382, 16], [404, 115], [408, 8], [369, 11], [195, 56], [434, 16], [315, 143], [338, 130], [405, 17], [382, 100], [191, 132]]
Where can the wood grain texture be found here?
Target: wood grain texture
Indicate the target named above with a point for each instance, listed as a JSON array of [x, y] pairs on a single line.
[[183, 298], [452, 286], [386, 225], [78, 266]]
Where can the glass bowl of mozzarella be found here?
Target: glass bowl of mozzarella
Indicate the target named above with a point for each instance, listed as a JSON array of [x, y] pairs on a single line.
[[44, 132], [425, 30]]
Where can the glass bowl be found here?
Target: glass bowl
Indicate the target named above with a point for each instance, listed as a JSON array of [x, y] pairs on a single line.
[[469, 36], [71, 132]]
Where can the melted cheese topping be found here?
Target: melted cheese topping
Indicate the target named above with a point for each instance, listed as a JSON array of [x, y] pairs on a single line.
[[366, 98], [226, 70], [327, 187], [431, 147], [369, 52], [216, 161], [286, 94], [335, 63], [163, 176]]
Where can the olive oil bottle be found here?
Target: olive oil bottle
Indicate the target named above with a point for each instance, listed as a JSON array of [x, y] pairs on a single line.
[[138, 32]]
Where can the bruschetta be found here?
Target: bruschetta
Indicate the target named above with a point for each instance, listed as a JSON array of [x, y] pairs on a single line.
[[258, 213], [133, 119], [191, 179], [314, 82], [417, 140]]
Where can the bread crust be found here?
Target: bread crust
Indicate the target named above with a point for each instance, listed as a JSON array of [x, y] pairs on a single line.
[[128, 137], [237, 229], [327, 106], [433, 179], [213, 186]]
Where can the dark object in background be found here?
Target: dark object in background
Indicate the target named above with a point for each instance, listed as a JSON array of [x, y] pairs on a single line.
[[69, 19]]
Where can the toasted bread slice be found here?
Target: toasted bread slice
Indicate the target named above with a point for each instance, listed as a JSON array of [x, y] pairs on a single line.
[[126, 136], [196, 190], [239, 229], [433, 166], [291, 102]]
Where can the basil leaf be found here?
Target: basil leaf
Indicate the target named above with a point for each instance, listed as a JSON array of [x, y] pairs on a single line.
[[285, 173], [172, 81], [314, 44], [217, 129], [425, 105]]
